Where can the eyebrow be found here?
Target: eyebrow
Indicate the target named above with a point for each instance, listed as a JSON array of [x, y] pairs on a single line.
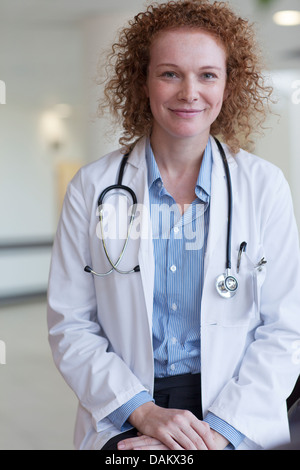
[[215, 67]]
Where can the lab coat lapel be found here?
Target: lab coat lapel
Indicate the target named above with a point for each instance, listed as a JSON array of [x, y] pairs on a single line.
[[139, 183], [217, 236]]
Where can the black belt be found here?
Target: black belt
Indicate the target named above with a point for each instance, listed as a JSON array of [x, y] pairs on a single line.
[[181, 392], [175, 381]]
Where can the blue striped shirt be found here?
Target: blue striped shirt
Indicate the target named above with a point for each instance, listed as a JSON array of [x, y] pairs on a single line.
[[179, 247]]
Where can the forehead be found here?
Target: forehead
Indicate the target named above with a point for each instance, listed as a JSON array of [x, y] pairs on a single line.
[[184, 42]]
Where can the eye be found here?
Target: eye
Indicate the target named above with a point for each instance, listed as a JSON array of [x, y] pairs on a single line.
[[209, 76], [168, 74]]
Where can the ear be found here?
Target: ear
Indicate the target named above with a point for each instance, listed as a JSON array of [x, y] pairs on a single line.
[[226, 94]]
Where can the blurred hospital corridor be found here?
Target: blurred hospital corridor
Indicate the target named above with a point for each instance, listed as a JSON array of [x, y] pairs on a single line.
[[51, 67]]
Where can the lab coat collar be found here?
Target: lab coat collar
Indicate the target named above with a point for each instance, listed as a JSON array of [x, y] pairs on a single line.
[[138, 155], [217, 160]]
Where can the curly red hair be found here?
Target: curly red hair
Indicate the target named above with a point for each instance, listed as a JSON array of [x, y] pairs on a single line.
[[243, 111]]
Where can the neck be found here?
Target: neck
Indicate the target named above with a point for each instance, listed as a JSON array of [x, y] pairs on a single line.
[[176, 156]]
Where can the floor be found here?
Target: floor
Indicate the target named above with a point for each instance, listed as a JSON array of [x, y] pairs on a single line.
[[37, 409]]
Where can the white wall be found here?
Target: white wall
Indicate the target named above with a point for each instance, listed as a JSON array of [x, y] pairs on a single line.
[[99, 34], [281, 144], [40, 67]]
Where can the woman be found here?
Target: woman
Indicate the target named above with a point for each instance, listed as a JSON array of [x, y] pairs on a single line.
[[157, 357]]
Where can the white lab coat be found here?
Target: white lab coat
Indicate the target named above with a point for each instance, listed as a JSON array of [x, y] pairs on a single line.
[[100, 329]]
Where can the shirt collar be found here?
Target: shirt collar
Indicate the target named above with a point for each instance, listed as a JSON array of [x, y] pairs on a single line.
[[204, 177]]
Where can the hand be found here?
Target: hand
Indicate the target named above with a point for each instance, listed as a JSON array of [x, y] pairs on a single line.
[[141, 443], [175, 429], [220, 441]]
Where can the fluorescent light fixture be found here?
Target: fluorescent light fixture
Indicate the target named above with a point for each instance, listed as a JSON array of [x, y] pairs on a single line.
[[53, 129], [287, 18]]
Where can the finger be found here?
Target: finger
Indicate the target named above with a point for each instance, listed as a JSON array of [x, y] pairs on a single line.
[[147, 440], [130, 443], [174, 440], [189, 439], [154, 447], [205, 434], [172, 444], [184, 429]]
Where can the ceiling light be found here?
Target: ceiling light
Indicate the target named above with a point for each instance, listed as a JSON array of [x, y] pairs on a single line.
[[52, 129], [287, 18]]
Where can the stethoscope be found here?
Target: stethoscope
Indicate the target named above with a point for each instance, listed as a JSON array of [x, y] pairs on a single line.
[[226, 283], [118, 186]]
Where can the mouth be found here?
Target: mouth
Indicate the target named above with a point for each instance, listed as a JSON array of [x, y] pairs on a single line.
[[187, 113]]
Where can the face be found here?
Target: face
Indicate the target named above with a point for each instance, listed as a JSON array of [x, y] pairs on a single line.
[[186, 83]]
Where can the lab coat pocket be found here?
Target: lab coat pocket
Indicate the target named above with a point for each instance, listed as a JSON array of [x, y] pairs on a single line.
[[259, 275], [256, 264], [245, 305]]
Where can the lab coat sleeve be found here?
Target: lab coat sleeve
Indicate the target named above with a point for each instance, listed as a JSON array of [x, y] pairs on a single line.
[[99, 378], [254, 401]]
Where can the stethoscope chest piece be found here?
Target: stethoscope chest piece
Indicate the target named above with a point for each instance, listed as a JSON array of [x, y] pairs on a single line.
[[226, 285]]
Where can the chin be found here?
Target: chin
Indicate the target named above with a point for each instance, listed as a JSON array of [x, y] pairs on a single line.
[[185, 134]]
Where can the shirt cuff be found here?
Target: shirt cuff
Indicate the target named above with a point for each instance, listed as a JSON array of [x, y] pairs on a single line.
[[120, 415], [222, 427]]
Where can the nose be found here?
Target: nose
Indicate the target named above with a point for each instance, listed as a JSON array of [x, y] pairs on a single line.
[[189, 91]]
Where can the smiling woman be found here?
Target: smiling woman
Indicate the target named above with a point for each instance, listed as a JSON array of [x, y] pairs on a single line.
[[166, 356]]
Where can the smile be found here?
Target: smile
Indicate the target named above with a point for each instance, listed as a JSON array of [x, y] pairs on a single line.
[[187, 113]]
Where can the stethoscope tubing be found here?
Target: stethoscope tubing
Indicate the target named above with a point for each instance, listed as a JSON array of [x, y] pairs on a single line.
[[118, 186], [114, 265], [226, 284], [230, 203]]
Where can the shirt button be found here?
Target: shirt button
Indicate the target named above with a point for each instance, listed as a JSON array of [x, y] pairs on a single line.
[[172, 367], [173, 268], [174, 307], [173, 340], [176, 229]]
